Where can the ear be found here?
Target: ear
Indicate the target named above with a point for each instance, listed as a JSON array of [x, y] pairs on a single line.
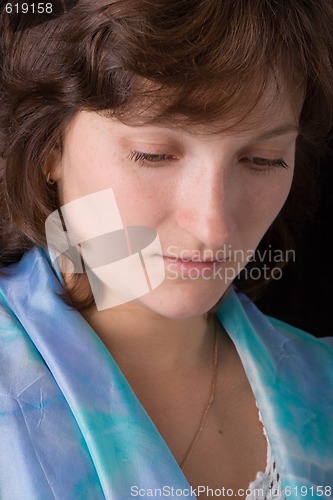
[[53, 166]]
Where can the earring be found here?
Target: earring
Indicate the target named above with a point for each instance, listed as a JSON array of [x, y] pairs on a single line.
[[48, 180]]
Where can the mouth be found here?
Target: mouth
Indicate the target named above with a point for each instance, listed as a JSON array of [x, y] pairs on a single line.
[[192, 267]]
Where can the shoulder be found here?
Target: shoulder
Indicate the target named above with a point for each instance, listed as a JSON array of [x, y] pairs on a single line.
[[32, 272], [300, 340], [291, 374], [284, 344], [292, 331], [12, 279], [18, 282], [22, 269], [284, 328], [16, 349]]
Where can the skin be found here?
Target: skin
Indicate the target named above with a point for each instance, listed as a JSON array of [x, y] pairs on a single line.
[[208, 194]]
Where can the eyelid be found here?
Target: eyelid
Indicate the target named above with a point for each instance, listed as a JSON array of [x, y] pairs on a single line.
[[272, 155], [154, 146], [261, 162]]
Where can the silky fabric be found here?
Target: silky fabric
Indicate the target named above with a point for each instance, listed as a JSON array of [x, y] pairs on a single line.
[[72, 428]]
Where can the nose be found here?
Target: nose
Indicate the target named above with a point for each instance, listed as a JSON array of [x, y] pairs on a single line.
[[207, 208]]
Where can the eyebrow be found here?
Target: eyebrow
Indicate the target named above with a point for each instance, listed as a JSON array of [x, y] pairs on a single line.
[[281, 130], [284, 129]]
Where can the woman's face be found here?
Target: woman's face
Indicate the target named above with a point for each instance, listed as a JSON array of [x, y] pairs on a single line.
[[210, 197]]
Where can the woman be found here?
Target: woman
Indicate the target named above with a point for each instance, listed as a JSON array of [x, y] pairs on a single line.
[[148, 149]]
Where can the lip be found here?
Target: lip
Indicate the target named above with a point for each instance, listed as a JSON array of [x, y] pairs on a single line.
[[194, 261], [200, 268]]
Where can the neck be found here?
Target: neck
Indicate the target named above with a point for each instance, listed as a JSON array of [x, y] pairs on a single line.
[[141, 339]]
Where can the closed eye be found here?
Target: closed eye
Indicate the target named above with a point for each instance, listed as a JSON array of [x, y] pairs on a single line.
[[145, 158], [267, 162]]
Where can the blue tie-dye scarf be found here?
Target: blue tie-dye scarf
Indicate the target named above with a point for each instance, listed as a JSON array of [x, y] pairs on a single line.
[[71, 427]]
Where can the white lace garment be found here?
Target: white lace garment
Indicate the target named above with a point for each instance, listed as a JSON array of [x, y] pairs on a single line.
[[267, 485]]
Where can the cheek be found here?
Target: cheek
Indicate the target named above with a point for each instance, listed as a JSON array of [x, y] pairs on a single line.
[[262, 202], [140, 204], [279, 192]]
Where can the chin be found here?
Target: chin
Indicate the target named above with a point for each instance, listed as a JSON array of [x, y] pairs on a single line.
[[180, 302]]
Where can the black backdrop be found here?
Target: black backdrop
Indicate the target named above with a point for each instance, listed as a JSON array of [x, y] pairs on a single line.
[[304, 295]]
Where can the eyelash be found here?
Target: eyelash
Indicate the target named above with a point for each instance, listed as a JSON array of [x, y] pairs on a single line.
[[138, 156], [266, 162]]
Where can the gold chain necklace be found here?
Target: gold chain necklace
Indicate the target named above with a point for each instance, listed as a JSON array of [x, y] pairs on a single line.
[[209, 404]]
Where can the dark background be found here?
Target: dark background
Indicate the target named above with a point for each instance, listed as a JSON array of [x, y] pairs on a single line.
[[304, 295]]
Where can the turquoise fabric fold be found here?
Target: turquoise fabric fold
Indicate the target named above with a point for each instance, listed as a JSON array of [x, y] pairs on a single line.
[[291, 375], [72, 428]]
